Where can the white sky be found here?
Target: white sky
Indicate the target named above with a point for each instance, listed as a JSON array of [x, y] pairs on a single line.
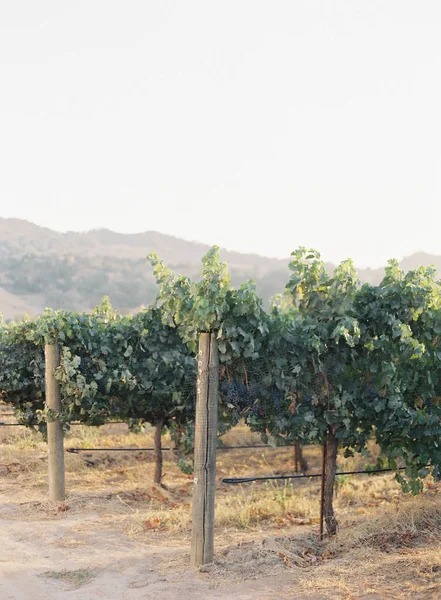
[[256, 125]]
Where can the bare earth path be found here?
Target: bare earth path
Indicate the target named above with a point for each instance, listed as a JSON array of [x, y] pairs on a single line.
[[81, 556]]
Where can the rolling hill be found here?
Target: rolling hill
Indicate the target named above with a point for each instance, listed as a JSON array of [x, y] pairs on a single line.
[[40, 267]]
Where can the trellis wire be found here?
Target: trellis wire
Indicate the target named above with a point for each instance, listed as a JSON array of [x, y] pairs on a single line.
[[3, 424], [235, 480], [219, 448], [77, 450]]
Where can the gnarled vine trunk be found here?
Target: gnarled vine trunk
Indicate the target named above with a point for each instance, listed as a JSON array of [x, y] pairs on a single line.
[[330, 469], [301, 464], [158, 451]]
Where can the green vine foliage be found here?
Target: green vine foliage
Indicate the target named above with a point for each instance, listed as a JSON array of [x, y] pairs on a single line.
[[129, 368], [356, 360], [400, 324], [312, 355], [22, 371], [331, 355], [134, 369], [211, 305]]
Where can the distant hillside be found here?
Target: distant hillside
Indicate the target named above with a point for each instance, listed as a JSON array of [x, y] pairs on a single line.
[[40, 267]]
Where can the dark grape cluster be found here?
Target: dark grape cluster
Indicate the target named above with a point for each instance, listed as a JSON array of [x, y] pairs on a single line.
[[239, 398], [236, 393], [276, 397], [246, 400]]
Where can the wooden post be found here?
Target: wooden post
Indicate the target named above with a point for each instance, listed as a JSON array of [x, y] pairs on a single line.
[[202, 537], [54, 427]]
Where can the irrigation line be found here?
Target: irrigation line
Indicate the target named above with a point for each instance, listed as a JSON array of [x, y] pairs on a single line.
[[256, 446], [232, 480], [76, 450], [3, 424], [102, 424]]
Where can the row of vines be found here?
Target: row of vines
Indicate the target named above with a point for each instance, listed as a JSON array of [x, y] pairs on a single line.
[[339, 362]]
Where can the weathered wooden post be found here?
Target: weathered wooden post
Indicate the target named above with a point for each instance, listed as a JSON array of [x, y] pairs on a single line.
[[202, 538], [54, 426]]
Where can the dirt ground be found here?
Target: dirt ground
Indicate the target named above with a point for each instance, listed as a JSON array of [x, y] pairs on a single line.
[[117, 537], [80, 556]]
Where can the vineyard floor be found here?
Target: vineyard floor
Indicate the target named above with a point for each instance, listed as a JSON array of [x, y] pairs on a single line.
[[118, 537]]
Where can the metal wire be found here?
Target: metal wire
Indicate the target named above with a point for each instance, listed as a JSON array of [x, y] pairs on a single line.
[[3, 424], [252, 447], [76, 450], [231, 480]]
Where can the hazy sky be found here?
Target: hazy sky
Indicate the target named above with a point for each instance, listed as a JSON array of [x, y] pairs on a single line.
[[256, 125]]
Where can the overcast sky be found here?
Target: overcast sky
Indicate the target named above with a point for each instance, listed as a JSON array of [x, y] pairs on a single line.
[[256, 125]]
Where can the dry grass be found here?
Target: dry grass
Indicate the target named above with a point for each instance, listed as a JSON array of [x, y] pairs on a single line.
[[394, 553], [387, 543], [406, 524], [123, 480], [74, 579]]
